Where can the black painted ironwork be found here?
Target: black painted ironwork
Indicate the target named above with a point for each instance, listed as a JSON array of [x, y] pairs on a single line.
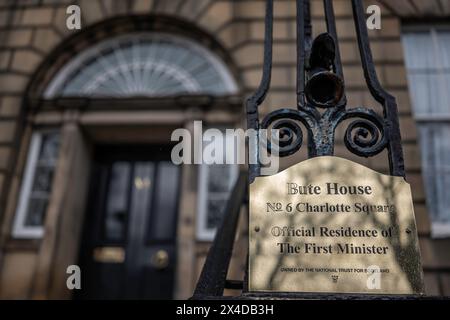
[[321, 108], [321, 101]]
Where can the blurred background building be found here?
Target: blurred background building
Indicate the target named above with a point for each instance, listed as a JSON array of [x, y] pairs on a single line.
[[86, 118]]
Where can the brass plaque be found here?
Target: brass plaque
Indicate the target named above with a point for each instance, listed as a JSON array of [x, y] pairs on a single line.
[[330, 225]]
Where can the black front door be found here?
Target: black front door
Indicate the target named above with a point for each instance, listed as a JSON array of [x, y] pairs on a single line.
[[128, 249]]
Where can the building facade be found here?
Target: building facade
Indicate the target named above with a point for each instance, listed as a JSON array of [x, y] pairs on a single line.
[[86, 118]]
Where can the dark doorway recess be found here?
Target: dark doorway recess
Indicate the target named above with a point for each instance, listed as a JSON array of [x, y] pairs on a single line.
[[128, 248]]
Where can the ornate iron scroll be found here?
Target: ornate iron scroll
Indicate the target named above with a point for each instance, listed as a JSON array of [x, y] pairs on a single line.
[[321, 101]]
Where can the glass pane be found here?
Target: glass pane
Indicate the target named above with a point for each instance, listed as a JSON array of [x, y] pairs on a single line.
[[419, 52], [141, 201], [436, 169], [444, 48], [117, 202], [143, 64], [49, 148], [219, 178], [216, 209], [36, 212], [220, 182], [43, 179], [163, 221], [428, 60], [427, 56]]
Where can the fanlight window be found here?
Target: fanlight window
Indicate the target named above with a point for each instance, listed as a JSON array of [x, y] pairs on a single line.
[[143, 64]]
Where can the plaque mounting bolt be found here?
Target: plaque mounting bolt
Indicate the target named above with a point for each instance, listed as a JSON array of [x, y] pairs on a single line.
[[257, 229]]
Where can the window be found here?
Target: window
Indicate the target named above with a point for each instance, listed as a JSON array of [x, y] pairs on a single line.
[[427, 54], [215, 184], [143, 64], [36, 185]]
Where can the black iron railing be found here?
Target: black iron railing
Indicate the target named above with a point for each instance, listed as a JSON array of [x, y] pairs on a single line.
[[321, 108]]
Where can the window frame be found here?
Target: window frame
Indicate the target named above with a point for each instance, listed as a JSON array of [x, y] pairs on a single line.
[[20, 230], [203, 233], [438, 229]]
